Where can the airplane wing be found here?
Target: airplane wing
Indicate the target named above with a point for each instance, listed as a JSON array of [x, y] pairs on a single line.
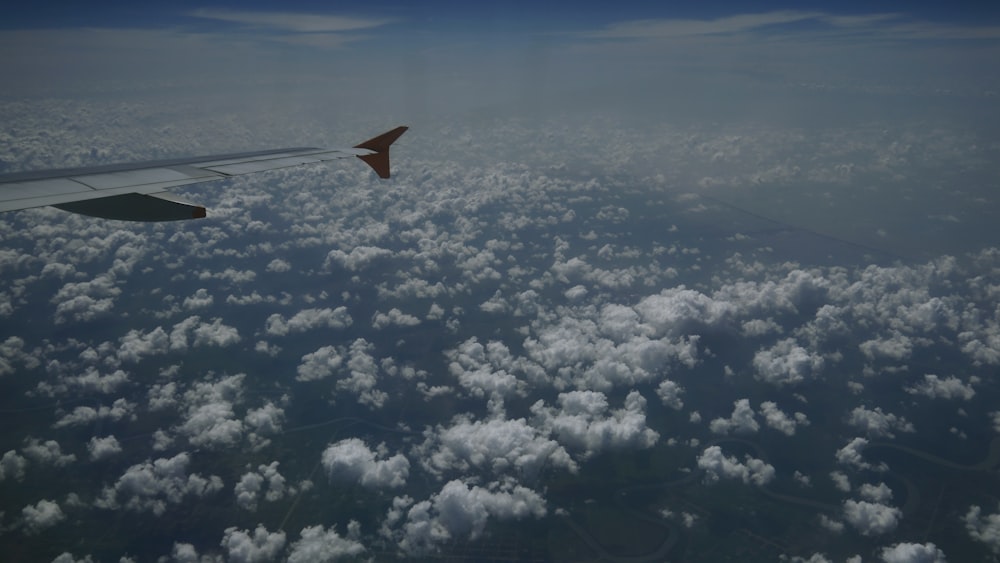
[[136, 191]]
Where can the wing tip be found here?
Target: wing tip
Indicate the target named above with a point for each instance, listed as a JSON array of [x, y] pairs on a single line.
[[379, 159], [381, 143]]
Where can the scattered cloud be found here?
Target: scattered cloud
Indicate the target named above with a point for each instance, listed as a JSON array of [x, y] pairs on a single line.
[[394, 317], [154, 485], [875, 493], [210, 420], [878, 424], [350, 460], [320, 364], [258, 546], [12, 466], [103, 448], [871, 518], [948, 388], [786, 363], [912, 553], [458, 512], [44, 514], [43, 453], [583, 421], [741, 421], [497, 445], [324, 545], [266, 482], [777, 419], [309, 319], [718, 466], [851, 455], [984, 529]]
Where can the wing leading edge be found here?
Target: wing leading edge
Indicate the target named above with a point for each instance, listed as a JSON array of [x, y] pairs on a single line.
[[136, 191]]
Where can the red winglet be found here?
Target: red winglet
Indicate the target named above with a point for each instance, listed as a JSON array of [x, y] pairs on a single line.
[[380, 160]]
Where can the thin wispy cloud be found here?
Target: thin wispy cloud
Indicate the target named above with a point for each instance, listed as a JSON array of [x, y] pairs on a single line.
[[291, 22], [662, 28], [886, 25]]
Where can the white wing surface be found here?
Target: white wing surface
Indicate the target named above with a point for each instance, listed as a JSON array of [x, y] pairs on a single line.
[[135, 191]]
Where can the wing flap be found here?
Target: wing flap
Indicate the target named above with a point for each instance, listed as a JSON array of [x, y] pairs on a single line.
[[136, 207]]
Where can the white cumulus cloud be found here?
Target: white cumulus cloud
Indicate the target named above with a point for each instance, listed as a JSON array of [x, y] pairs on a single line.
[[102, 448], [871, 518], [461, 512], [950, 387], [741, 421], [496, 445], [320, 545], [912, 553], [351, 460], [983, 528], [41, 515], [153, 485], [786, 363], [308, 319], [877, 423], [258, 546], [584, 421], [718, 466]]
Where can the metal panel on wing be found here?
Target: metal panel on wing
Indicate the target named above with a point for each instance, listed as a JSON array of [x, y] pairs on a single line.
[[38, 188], [269, 164], [137, 178]]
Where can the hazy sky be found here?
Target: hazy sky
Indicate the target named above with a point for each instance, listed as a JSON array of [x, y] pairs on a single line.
[[513, 47]]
